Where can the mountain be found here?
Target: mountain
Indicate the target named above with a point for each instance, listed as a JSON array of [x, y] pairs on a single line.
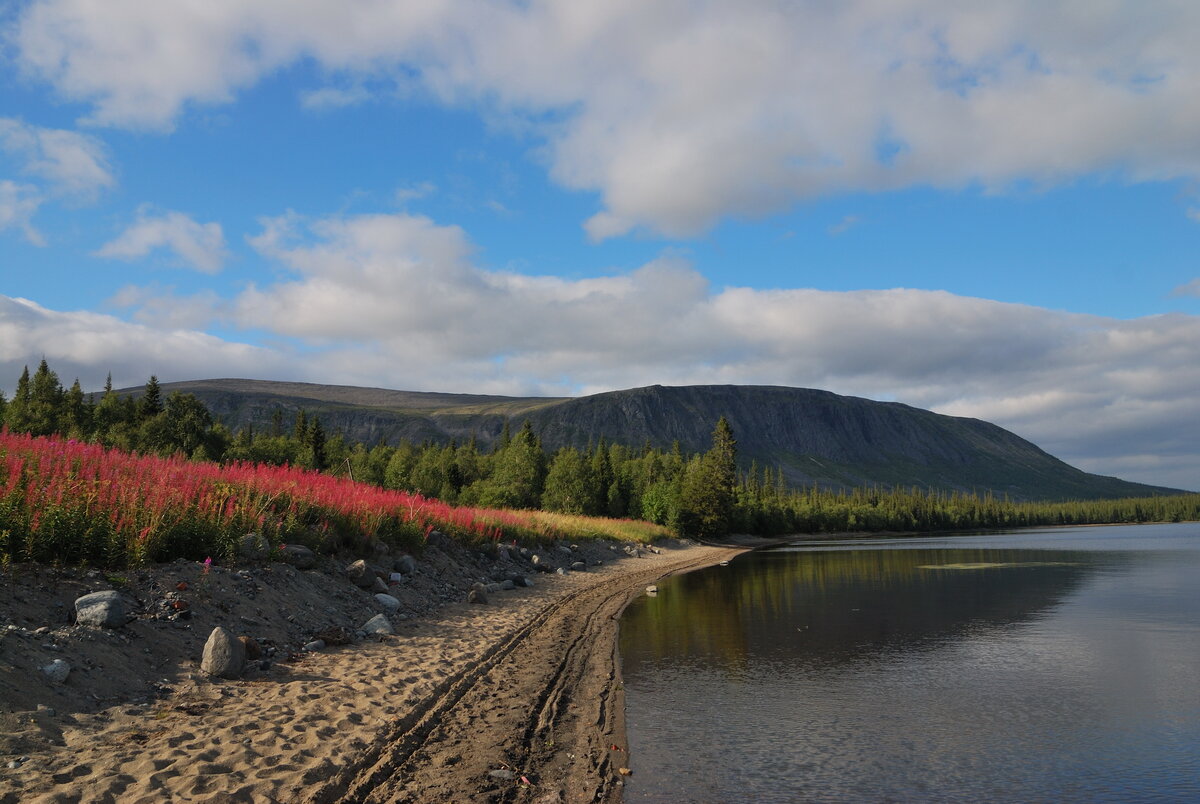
[[813, 436]]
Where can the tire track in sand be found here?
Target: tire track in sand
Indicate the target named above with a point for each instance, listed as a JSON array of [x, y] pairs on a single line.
[[544, 703]]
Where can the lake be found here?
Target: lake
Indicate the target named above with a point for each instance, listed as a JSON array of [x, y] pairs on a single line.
[[1037, 665]]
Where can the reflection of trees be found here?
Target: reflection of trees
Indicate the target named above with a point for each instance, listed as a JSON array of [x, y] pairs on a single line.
[[829, 608]]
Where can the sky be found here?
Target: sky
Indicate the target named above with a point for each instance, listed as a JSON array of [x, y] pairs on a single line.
[[987, 210]]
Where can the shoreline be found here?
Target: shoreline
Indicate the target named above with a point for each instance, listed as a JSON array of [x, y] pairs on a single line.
[[459, 704]]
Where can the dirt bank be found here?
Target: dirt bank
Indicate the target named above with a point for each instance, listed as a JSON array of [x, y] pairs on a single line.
[[515, 700]]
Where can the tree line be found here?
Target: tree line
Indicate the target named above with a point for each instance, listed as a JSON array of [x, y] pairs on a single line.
[[704, 495]]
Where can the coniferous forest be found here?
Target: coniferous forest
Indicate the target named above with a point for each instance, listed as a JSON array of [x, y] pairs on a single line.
[[703, 495]]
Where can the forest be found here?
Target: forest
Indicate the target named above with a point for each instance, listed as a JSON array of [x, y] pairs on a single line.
[[704, 495]]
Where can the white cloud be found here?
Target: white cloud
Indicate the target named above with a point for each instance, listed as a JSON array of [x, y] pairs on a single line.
[[415, 192], [18, 203], [199, 245], [327, 98], [89, 345], [844, 225], [70, 164], [683, 111], [397, 300], [1188, 289]]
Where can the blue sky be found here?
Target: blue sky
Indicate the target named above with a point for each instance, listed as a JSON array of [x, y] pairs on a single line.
[[992, 213]]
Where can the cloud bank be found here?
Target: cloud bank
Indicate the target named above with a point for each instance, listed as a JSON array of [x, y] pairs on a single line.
[[678, 113], [398, 301]]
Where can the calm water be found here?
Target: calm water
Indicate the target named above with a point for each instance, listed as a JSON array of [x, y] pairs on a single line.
[[1052, 665]]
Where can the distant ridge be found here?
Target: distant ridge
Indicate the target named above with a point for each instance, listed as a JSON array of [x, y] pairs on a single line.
[[813, 436]]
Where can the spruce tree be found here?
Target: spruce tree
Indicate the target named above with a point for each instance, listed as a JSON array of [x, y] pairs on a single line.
[[45, 402], [151, 403], [77, 419], [17, 415]]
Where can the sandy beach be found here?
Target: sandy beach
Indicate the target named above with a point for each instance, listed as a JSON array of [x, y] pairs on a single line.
[[516, 700]]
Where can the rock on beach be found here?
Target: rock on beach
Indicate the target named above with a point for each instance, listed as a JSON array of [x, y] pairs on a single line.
[[224, 654], [106, 609]]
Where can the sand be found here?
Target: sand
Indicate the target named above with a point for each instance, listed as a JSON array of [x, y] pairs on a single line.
[[518, 700]]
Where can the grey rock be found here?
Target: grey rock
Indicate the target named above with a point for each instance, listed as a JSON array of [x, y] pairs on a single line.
[[389, 603], [562, 548], [524, 581], [478, 594], [493, 587], [502, 774], [101, 609], [361, 575], [315, 645], [579, 566], [57, 671], [379, 586], [405, 564], [253, 547], [507, 585], [561, 571], [379, 624], [299, 556], [224, 654]]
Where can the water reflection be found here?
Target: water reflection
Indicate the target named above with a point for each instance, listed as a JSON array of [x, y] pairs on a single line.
[[830, 608], [949, 669]]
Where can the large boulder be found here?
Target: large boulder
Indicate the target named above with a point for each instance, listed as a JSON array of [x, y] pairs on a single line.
[[379, 624], [106, 609], [224, 654]]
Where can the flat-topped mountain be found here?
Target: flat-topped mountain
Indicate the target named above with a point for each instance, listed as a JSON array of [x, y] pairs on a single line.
[[813, 436]]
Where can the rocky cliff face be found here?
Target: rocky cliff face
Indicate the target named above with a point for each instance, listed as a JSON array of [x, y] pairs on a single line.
[[813, 436]]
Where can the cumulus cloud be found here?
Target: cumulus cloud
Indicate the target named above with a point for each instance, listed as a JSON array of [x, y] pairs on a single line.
[[200, 246], [683, 111], [89, 345], [69, 163], [18, 203], [398, 300], [1188, 289]]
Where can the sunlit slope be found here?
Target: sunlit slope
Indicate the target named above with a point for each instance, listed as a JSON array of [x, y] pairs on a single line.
[[813, 436]]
